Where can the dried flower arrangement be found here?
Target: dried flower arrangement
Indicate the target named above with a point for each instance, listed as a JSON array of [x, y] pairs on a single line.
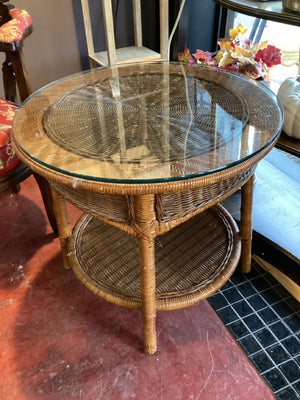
[[238, 54]]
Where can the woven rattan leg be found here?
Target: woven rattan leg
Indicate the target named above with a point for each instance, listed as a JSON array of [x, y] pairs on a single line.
[[63, 224], [147, 265], [145, 223], [246, 224]]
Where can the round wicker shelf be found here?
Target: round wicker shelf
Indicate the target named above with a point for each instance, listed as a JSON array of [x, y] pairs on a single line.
[[192, 261]]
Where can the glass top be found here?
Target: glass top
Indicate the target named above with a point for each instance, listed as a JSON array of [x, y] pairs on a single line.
[[147, 122]]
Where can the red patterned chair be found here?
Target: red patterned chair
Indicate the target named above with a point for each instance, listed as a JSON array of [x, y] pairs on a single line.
[[15, 26]]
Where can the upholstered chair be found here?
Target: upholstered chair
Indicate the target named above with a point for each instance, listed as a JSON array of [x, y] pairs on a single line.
[[15, 26]]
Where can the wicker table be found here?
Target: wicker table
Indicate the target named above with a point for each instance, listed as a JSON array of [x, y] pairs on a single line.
[[142, 149]]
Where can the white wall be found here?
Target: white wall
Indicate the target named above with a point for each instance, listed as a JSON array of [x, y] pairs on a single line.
[[51, 51]]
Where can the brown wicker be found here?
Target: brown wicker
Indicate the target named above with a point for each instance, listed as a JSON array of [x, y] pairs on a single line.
[[143, 161], [192, 261]]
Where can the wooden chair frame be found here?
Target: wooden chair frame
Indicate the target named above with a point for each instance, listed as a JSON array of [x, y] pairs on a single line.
[[15, 79]]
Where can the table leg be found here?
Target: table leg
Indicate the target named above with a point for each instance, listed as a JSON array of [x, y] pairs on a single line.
[[145, 219], [246, 224], [63, 224], [147, 266]]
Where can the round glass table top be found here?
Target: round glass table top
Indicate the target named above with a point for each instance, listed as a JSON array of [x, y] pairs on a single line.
[[147, 122]]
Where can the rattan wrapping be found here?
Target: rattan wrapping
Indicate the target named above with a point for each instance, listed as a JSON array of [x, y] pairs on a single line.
[[113, 207], [192, 261], [169, 206]]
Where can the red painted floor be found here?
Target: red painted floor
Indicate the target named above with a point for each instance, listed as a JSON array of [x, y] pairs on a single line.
[[60, 341]]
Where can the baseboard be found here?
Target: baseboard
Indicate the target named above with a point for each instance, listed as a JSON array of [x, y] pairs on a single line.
[[276, 256], [292, 287]]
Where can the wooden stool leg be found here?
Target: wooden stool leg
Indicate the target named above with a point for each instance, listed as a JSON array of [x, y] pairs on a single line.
[[48, 201], [109, 32], [9, 81], [64, 229], [246, 224], [164, 29], [20, 74], [145, 227], [93, 64], [137, 20]]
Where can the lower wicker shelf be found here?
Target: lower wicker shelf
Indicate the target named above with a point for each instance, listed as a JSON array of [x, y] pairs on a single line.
[[192, 261]]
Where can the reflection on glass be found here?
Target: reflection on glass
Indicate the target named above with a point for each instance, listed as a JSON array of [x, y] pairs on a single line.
[[148, 122], [126, 119]]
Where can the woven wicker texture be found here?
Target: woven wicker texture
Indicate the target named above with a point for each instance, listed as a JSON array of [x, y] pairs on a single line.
[[148, 123], [113, 207], [168, 206], [192, 260], [136, 117], [178, 204]]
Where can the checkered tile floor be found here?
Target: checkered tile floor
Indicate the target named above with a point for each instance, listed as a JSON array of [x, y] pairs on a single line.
[[265, 319]]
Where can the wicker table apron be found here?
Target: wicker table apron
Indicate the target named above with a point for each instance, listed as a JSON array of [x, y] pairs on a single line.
[[142, 149]]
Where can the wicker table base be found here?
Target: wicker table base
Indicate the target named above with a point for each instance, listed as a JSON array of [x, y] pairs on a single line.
[[192, 261]]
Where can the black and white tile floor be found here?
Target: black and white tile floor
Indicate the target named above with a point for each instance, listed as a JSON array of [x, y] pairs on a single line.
[[265, 319]]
